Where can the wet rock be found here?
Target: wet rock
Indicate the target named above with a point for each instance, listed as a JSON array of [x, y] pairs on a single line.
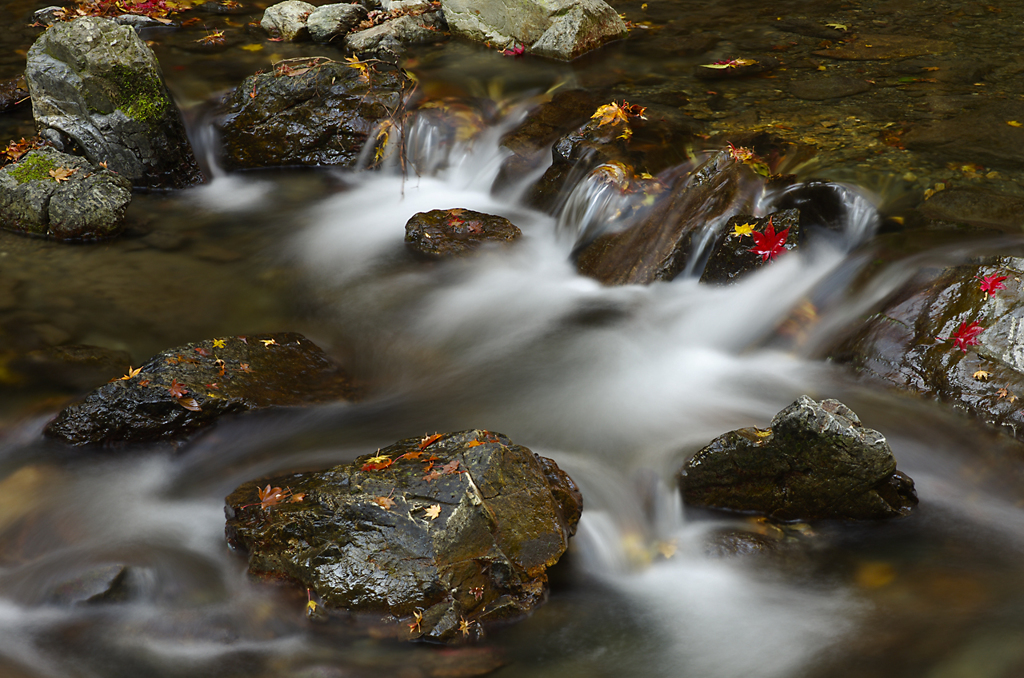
[[910, 341], [456, 232], [559, 29], [12, 93], [822, 88], [733, 255], [97, 86], [978, 134], [55, 195], [183, 389], [313, 112], [815, 461], [660, 245], [443, 534], [977, 208], [809, 28], [645, 144], [394, 35], [224, 7], [331, 21], [878, 46], [738, 68], [287, 20]]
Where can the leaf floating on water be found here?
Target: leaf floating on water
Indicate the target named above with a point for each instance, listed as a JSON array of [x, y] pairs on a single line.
[[730, 63], [838, 27], [1014, 123]]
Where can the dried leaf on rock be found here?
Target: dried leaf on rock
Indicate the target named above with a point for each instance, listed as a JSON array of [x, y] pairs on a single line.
[[433, 511], [270, 496], [965, 335], [189, 403], [62, 173], [990, 283], [386, 503], [982, 375], [176, 389]]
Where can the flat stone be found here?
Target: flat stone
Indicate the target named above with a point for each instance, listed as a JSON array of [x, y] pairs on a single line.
[[978, 134], [976, 207]]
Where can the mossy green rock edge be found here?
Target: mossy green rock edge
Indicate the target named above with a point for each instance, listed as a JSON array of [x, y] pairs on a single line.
[[189, 387], [504, 515], [816, 461]]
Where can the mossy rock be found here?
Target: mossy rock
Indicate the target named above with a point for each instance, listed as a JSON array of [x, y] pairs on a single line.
[[97, 86], [438, 535]]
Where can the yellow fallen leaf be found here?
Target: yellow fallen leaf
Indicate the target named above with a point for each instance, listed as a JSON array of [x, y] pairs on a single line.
[[218, 343], [743, 229], [252, 48], [838, 27], [1014, 123], [433, 511], [982, 375]]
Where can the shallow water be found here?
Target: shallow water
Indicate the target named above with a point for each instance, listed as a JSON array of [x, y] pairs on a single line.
[[618, 385]]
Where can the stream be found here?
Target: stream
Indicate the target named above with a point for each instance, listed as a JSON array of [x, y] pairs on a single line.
[[619, 385]]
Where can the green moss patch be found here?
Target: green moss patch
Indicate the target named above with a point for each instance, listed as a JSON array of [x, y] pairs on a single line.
[[33, 168], [139, 94]]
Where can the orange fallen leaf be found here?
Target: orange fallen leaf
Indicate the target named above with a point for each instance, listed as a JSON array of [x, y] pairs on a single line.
[[430, 440], [189, 403], [62, 173], [386, 503], [270, 496]]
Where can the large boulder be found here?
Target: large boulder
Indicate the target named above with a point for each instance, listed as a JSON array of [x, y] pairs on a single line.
[[449, 233], [952, 334], [189, 387], [331, 21], [440, 534], [287, 20], [815, 461], [55, 195], [309, 112], [560, 29], [96, 85], [392, 36]]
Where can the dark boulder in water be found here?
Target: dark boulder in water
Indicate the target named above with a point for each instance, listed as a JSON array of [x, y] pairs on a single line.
[[189, 387], [455, 232], [815, 461], [440, 535]]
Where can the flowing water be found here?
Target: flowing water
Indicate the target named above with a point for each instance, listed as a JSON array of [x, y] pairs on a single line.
[[617, 384]]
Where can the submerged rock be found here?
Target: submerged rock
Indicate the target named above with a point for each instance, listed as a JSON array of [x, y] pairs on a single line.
[[815, 461], [97, 86], [456, 232], [12, 93], [559, 29], [309, 112], [442, 534], [944, 336], [189, 387], [55, 195]]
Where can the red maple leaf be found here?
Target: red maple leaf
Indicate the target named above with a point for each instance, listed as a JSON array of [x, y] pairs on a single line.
[[177, 390], [991, 283], [769, 243], [965, 335], [516, 51]]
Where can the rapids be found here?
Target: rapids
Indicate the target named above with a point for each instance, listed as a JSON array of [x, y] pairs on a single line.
[[617, 384]]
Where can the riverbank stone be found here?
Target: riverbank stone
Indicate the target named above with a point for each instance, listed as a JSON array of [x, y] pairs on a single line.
[[96, 86], [815, 461], [733, 253], [391, 37], [287, 20], [331, 21], [440, 234], [189, 387], [439, 535], [62, 197], [309, 112], [558, 29]]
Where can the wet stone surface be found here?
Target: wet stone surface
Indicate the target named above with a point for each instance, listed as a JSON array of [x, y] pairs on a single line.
[[441, 535], [737, 252], [815, 461], [189, 387], [449, 233]]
